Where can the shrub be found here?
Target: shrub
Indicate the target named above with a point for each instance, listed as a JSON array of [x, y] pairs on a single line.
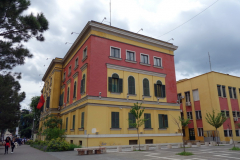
[[57, 144], [72, 146], [235, 149], [29, 142], [185, 153], [53, 133]]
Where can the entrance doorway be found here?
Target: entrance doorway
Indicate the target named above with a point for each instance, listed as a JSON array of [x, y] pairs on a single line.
[[191, 134]]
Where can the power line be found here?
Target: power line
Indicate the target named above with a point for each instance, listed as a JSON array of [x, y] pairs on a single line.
[[189, 19]]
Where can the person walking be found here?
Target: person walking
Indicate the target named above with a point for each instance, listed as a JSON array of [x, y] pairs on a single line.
[[12, 144], [7, 144]]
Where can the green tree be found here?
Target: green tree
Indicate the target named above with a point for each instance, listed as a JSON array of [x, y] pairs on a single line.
[[181, 123], [36, 112], [16, 28], [10, 98], [215, 120], [52, 127], [137, 112], [25, 125]]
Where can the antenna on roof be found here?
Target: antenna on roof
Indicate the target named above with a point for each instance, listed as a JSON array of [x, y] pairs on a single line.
[[170, 39], [210, 62], [110, 12], [140, 30], [103, 19], [74, 32]]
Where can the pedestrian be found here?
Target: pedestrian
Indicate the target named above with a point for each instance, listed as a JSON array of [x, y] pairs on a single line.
[[12, 144], [7, 144]]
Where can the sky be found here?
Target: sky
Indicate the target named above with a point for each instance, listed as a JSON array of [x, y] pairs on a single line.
[[214, 31]]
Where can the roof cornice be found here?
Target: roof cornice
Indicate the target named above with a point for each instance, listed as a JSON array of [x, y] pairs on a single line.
[[50, 68]]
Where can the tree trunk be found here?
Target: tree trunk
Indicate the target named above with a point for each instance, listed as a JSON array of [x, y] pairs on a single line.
[[138, 140], [183, 142], [217, 137]]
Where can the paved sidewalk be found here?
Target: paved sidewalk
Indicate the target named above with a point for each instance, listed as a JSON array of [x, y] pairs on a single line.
[[25, 152]]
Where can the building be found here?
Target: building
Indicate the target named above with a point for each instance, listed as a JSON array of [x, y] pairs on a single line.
[[103, 74], [204, 93]]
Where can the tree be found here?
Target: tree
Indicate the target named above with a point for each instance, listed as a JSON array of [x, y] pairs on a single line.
[[181, 123], [216, 120], [36, 112], [16, 28], [10, 98], [25, 125], [51, 127], [137, 112]]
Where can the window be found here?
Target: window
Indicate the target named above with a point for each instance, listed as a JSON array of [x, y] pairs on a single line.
[[115, 52], [187, 95], [144, 59], [234, 113], [198, 115], [64, 75], [195, 95], [224, 91], [48, 102], [237, 133], [82, 120], [163, 121], [69, 70], [74, 89], [133, 142], [238, 115], [132, 119], [219, 90], [200, 132], [61, 99], [189, 115], [146, 87], [115, 119], [73, 124], [227, 113], [148, 141], [130, 56], [66, 123], [147, 123], [84, 52], [228, 133], [83, 84], [157, 61], [159, 89], [182, 115], [234, 93], [131, 85], [230, 92], [76, 62], [179, 97], [68, 95], [115, 84]]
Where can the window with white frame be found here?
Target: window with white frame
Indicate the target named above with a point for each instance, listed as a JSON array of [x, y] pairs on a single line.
[[76, 62], [187, 95], [144, 58], [234, 93], [115, 52], [228, 133], [195, 95], [237, 133], [230, 92], [85, 53], [179, 97], [69, 70], [198, 114], [189, 115], [200, 132], [234, 113], [157, 61], [221, 91], [225, 113], [130, 56], [64, 75]]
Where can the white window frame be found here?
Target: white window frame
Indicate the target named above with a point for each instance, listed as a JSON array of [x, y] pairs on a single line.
[[187, 97], [200, 134], [233, 93], [195, 93], [119, 51], [145, 55], [76, 64], [160, 60], [197, 114], [190, 114], [134, 55], [69, 70], [83, 52], [64, 75]]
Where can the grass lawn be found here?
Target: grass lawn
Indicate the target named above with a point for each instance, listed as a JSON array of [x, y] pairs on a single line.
[[235, 149], [185, 153]]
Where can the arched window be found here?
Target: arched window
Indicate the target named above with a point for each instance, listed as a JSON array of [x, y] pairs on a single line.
[[83, 84], [115, 83], [159, 89], [68, 95], [74, 89], [131, 85], [146, 87]]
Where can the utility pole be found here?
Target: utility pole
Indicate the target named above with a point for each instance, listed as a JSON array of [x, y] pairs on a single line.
[[210, 61], [110, 12]]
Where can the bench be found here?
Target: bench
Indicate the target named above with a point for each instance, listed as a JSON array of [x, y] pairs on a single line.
[[90, 151]]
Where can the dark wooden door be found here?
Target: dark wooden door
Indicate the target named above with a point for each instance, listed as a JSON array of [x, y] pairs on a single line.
[[191, 134]]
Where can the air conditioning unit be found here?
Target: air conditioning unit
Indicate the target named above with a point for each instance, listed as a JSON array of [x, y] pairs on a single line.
[[235, 119], [182, 97], [188, 103]]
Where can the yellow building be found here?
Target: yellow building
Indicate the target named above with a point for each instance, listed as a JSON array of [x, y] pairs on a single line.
[[103, 74], [202, 94]]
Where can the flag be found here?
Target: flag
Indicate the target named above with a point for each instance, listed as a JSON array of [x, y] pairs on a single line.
[[41, 102]]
